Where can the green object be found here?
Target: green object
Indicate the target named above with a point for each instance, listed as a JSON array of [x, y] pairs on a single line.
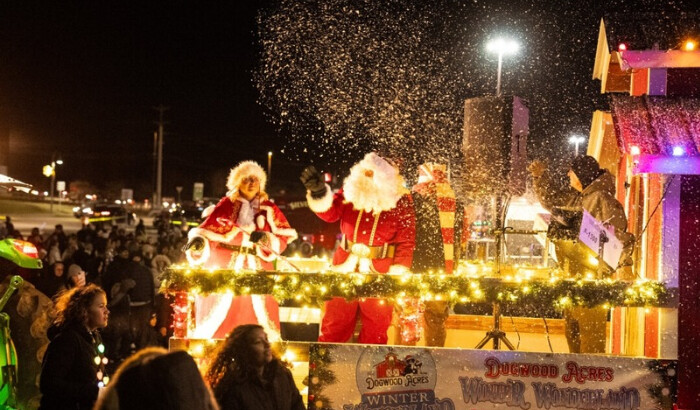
[[8, 354], [22, 253]]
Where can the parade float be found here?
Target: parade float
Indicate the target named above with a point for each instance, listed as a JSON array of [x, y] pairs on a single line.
[[512, 303], [382, 373], [507, 347]]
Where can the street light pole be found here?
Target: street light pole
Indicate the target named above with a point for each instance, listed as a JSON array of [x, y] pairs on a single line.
[[269, 165], [498, 81], [53, 182], [54, 163], [576, 140], [501, 47], [159, 161]]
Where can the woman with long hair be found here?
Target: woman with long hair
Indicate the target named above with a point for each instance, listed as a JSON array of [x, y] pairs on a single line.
[[246, 375], [154, 379], [73, 367]]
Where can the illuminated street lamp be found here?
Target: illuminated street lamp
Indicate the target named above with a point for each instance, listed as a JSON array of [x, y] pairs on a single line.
[[576, 140], [501, 47], [50, 171]]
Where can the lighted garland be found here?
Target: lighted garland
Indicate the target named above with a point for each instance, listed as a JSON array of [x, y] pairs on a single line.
[[315, 287], [320, 376]]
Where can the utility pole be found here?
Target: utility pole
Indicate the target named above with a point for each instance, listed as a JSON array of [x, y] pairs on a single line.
[[154, 171], [159, 172]]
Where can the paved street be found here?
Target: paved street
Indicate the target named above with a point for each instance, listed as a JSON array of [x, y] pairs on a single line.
[[34, 215]]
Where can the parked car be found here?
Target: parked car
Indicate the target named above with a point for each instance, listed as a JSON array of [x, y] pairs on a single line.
[[104, 213], [187, 214]]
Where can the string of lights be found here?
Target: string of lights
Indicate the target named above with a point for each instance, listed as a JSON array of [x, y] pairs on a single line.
[[314, 288]]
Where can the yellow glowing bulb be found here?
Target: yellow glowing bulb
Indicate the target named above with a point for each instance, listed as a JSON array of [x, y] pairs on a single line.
[[689, 45], [197, 350], [289, 356]]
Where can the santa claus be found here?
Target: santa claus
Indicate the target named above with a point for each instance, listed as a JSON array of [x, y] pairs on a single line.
[[378, 226], [245, 230]]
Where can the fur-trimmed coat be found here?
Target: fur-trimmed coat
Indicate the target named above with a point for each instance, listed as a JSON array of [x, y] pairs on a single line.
[[223, 226], [396, 226]]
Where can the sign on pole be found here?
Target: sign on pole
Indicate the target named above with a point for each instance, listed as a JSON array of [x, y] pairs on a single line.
[[198, 191], [60, 187], [127, 194], [591, 234]]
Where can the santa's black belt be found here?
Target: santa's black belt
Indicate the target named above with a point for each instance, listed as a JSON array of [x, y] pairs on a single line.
[[235, 248], [364, 251]]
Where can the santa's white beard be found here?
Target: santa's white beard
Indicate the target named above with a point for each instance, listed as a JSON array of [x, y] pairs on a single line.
[[373, 194]]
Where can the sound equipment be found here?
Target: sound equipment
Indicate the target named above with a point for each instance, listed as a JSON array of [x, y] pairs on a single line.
[[494, 145]]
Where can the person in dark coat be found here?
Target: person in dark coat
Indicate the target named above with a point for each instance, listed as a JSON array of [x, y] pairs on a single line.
[[591, 189], [52, 280], [72, 372], [246, 375]]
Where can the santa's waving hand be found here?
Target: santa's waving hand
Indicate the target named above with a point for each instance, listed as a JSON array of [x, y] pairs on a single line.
[[378, 226]]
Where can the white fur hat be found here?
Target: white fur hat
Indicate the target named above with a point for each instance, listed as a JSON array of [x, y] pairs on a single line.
[[244, 170]]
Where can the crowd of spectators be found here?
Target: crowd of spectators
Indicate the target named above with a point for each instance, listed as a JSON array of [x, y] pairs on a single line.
[[105, 275], [126, 264]]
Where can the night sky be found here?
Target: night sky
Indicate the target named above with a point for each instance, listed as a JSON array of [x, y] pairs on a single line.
[[81, 80]]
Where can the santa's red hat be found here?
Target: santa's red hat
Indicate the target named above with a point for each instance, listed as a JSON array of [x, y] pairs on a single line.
[[242, 171]]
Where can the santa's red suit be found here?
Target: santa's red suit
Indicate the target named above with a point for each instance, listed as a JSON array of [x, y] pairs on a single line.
[[378, 226], [226, 231]]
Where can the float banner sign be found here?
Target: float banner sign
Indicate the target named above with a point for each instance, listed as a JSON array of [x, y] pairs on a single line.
[[412, 378], [592, 230]]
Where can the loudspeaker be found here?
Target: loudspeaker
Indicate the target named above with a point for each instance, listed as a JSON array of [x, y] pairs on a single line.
[[494, 145]]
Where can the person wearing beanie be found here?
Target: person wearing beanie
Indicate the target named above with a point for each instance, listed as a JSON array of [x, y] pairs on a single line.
[[245, 230], [591, 189], [75, 277]]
